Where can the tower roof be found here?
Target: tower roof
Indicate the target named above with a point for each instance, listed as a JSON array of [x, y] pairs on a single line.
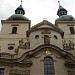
[[19, 14], [20, 10], [65, 18], [62, 13]]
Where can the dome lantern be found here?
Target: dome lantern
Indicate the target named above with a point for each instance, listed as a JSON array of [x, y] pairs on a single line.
[[19, 14], [61, 11], [20, 10]]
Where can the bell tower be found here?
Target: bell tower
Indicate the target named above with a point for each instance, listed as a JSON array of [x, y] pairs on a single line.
[[14, 29]]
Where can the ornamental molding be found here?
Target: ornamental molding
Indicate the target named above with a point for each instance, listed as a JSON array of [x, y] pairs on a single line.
[[26, 57], [42, 48]]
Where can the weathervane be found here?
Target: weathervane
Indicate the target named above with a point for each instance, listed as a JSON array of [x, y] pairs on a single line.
[[59, 2]]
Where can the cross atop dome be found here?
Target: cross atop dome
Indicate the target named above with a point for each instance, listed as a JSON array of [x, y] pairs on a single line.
[[21, 2], [59, 2], [20, 9]]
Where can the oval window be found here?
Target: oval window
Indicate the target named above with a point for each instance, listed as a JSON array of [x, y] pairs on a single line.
[[11, 48], [37, 36]]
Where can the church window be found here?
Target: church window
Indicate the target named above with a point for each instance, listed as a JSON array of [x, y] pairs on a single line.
[[48, 66], [72, 30], [37, 36], [1, 71], [14, 30]]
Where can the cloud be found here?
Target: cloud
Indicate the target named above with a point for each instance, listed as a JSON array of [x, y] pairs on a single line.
[[36, 9]]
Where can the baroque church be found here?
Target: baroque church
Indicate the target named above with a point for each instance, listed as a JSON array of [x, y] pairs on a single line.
[[43, 49]]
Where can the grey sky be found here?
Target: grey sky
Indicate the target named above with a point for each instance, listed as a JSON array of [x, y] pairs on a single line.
[[36, 10]]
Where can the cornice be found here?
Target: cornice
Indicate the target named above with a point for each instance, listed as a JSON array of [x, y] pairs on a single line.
[[41, 48], [64, 22], [15, 63], [16, 21], [70, 64], [44, 28]]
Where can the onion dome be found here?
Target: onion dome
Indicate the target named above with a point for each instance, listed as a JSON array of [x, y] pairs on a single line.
[[62, 13], [19, 14], [65, 18], [20, 10], [17, 17]]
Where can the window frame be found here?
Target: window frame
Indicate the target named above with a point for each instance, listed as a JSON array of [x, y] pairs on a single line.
[[14, 30], [49, 66], [72, 30]]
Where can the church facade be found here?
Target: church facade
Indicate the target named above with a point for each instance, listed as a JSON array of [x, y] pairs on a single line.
[[43, 49]]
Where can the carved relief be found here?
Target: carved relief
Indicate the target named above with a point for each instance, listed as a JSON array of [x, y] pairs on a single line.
[[68, 45], [23, 45], [16, 50], [45, 31]]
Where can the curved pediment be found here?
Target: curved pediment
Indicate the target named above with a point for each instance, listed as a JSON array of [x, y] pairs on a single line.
[[42, 48], [26, 57], [45, 25]]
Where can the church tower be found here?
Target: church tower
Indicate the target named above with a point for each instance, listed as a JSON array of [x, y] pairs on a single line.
[[67, 24], [14, 29]]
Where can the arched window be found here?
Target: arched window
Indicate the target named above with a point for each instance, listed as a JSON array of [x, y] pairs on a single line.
[[48, 66], [72, 30], [14, 30]]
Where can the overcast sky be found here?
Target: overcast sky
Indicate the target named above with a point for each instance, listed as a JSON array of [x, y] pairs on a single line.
[[36, 10]]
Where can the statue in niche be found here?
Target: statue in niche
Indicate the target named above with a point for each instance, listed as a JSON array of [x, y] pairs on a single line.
[[46, 39], [68, 45]]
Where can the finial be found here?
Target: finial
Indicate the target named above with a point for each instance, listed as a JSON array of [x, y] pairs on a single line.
[[21, 2], [59, 2]]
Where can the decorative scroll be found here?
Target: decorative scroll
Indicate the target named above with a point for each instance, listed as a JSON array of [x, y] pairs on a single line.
[[68, 45], [23, 45]]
